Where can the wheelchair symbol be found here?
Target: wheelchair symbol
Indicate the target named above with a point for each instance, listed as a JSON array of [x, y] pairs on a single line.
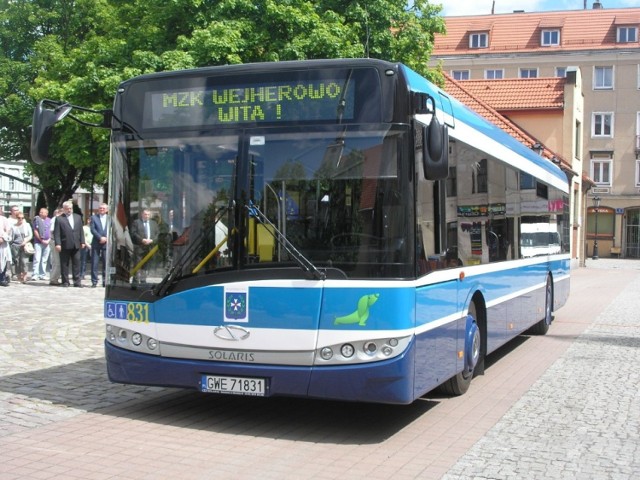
[[116, 310]]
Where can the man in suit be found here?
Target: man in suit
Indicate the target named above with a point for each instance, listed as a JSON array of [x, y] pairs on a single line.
[[69, 239], [144, 235], [99, 226]]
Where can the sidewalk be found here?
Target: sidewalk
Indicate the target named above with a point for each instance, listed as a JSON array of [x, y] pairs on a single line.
[[613, 264], [581, 419]]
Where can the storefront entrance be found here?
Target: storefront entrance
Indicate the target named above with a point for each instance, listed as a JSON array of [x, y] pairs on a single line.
[[632, 247]]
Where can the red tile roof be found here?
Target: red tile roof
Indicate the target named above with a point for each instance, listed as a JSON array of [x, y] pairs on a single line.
[[482, 108], [519, 93], [521, 32]]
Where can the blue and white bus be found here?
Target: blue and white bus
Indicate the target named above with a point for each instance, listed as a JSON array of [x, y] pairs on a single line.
[[334, 229]]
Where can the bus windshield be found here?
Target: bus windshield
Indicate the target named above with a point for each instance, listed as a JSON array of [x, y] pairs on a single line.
[[335, 194]]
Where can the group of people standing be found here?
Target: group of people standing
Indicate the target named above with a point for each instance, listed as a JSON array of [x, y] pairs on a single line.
[[59, 245]]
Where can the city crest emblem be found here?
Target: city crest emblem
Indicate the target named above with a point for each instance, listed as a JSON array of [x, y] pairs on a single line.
[[236, 306]]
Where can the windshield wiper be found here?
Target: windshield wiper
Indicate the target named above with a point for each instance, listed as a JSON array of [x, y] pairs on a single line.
[[189, 254], [300, 259]]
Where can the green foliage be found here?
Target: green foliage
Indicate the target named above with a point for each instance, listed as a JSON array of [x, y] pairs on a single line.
[[80, 50]]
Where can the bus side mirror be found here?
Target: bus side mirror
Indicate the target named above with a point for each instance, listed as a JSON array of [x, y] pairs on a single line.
[[42, 129], [435, 150]]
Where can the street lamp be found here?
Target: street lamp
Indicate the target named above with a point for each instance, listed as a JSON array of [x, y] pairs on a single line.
[[596, 204]]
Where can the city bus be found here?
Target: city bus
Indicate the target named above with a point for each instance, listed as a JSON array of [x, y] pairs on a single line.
[[330, 229]]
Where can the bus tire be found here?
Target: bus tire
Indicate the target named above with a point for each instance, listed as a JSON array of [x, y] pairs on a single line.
[[542, 327], [459, 383]]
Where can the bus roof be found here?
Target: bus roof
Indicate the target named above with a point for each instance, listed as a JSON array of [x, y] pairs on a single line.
[[268, 67], [471, 128]]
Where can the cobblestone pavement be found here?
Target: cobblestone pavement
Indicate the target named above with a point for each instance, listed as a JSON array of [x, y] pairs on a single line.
[[52, 356], [581, 419], [566, 405]]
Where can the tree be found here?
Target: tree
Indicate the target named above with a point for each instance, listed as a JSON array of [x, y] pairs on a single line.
[[80, 50], [42, 43], [395, 30]]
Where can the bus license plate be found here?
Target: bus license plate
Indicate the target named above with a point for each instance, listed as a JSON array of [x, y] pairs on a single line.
[[233, 385]]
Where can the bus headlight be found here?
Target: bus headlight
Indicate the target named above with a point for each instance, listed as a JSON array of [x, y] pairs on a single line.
[[363, 351], [122, 335], [326, 353], [130, 340], [370, 348], [347, 350]]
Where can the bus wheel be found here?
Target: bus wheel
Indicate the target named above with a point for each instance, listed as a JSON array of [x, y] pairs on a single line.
[[459, 383], [542, 327]]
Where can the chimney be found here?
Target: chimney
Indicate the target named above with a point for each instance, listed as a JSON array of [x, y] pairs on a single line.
[[597, 5]]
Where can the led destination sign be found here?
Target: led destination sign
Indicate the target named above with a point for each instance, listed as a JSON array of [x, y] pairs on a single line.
[[272, 102]]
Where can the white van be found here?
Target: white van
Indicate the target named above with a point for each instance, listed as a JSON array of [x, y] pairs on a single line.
[[539, 239]]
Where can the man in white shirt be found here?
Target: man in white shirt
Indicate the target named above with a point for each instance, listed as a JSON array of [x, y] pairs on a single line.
[[41, 241], [13, 219]]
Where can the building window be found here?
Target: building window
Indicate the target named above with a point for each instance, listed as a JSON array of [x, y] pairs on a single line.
[[480, 175], [460, 74], [601, 170], [494, 74], [627, 34], [578, 140], [637, 173], [452, 183], [561, 72], [602, 124], [550, 38], [637, 132], [479, 40], [527, 182], [603, 78], [528, 73]]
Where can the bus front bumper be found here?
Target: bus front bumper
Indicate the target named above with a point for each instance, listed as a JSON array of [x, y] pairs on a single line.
[[389, 381]]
